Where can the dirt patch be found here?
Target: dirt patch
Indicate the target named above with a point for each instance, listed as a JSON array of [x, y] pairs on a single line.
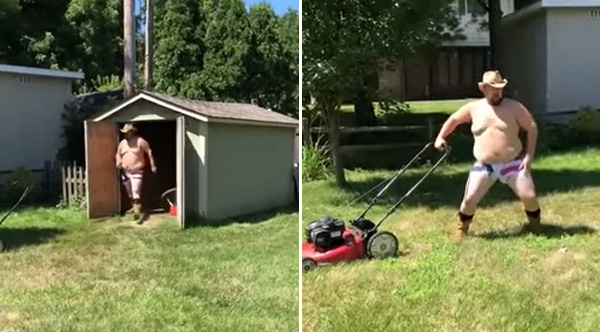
[[562, 258], [564, 266], [8, 318]]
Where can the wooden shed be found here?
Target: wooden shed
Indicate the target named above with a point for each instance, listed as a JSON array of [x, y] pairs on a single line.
[[224, 159]]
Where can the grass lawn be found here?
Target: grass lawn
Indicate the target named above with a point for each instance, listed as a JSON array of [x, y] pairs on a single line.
[[64, 273], [498, 279], [425, 106]]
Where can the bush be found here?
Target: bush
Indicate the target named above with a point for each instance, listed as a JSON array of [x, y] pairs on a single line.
[[315, 161], [76, 112], [584, 127], [390, 106], [15, 185]]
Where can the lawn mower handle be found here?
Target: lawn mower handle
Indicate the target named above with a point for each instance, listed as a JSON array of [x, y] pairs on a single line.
[[16, 204], [393, 208], [392, 180]]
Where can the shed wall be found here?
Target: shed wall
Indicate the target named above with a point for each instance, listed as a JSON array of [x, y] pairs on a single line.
[[250, 169]]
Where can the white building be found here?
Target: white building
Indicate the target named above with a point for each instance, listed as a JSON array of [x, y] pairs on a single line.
[[32, 103], [553, 55]]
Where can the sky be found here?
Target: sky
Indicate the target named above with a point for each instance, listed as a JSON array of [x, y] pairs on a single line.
[[280, 6]]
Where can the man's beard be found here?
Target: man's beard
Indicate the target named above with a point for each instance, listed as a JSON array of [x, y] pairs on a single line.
[[495, 102]]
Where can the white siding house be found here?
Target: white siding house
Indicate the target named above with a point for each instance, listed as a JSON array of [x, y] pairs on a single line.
[[553, 55], [452, 70], [31, 104]]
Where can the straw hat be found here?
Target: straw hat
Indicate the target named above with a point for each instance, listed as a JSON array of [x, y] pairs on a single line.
[[128, 127], [494, 79]]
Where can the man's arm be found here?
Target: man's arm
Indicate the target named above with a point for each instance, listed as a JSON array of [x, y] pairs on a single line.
[[146, 146], [527, 122], [118, 155], [463, 115]]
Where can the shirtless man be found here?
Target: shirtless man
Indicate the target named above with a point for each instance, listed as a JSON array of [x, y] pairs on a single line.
[[495, 123], [131, 158]]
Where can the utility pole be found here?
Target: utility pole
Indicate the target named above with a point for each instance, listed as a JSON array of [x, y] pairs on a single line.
[[128, 47], [148, 63]]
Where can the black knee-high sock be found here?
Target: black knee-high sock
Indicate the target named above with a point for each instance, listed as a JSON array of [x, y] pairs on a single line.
[[465, 217], [533, 214]]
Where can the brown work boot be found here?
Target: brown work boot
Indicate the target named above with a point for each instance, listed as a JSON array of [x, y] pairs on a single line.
[[136, 211], [462, 231]]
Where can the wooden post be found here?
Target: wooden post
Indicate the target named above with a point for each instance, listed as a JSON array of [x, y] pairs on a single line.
[[80, 181], [47, 186], [128, 48], [305, 131], [70, 179], [64, 183], [148, 63]]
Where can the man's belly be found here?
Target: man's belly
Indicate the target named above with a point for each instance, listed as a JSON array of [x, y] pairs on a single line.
[[132, 162], [496, 147]]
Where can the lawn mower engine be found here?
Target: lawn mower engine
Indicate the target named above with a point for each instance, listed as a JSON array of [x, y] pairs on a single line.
[[326, 233]]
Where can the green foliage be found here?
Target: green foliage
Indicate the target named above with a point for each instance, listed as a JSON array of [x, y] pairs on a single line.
[[76, 112], [584, 127], [8, 7], [316, 164], [390, 106], [227, 42], [16, 183], [102, 84]]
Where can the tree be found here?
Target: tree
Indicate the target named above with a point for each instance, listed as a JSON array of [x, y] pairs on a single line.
[[288, 31], [227, 41], [95, 40], [492, 7], [345, 40], [179, 43], [270, 79]]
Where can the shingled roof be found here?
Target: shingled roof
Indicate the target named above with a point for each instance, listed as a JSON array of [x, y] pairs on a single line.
[[212, 110]]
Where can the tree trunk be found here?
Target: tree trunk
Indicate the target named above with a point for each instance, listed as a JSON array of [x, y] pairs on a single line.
[[334, 142], [494, 18], [128, 47], [148, 64], [364, 113]]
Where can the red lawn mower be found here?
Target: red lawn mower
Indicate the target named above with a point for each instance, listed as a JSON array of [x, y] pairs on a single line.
[[329, 241]]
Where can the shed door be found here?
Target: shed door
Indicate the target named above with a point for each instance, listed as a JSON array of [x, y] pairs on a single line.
[[181, 133], [101, 140]]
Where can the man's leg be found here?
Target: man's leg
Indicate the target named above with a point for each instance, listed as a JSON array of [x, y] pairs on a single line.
[[523, 186], [480, 181], [136, 190]]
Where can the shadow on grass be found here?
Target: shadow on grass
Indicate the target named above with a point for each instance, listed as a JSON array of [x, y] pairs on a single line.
[[253, 218], [548, 231], [447, 190], [15, 238]]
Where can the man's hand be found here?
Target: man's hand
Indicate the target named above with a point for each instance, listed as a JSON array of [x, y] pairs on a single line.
[[526, 163], [153, 169], [440, 144]]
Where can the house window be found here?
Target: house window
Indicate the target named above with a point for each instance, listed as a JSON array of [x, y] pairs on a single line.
[[466, 7], [24, 79]]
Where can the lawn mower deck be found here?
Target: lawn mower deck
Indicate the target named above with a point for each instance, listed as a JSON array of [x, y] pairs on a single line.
[[331, 241]]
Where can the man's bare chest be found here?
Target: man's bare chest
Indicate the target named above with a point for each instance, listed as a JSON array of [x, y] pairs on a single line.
[[487, 118]]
